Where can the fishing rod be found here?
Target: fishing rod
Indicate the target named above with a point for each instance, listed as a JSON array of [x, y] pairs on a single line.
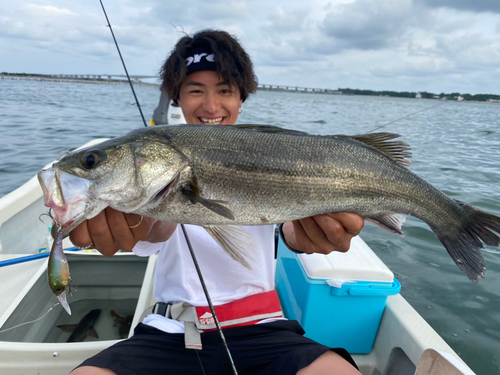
[[210, 304], [123, 63], [193, 256]]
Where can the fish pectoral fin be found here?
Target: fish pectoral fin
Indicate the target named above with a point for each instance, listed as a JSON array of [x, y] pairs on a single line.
[[92, 332], [399, 151], [210, 204], [235, 241], [392, 223], [68, 327]]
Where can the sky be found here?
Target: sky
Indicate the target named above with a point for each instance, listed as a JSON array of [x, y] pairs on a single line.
[[400, 45]]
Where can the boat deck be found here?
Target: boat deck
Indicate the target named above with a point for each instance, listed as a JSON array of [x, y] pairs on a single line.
[[402, 337]]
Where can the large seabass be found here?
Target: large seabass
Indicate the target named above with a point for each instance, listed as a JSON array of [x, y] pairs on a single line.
[[216, 176]]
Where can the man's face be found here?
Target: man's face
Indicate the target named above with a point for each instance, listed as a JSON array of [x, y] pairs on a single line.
[[205, 98]]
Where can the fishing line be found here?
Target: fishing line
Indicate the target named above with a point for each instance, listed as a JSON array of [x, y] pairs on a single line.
[[31, 321], [201, 364], [123, 63], [411, 114], [200, 276]]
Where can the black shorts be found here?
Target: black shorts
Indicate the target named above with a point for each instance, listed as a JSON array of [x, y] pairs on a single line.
[[270, 348]]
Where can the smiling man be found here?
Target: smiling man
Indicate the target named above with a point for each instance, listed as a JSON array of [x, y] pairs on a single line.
[[206, 99], [210, 76]]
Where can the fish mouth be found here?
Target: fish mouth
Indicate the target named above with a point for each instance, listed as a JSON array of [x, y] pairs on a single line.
[[66, 195]]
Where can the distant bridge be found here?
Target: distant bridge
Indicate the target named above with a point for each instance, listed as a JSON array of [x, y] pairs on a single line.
[[101, 76], [286, 88], [137, 79], [260, 86]]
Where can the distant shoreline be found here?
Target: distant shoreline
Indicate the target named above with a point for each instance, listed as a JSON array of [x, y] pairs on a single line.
[[73, 80], [283, 88]]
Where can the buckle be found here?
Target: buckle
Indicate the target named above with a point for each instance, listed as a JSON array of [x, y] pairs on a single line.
[[162, 308]]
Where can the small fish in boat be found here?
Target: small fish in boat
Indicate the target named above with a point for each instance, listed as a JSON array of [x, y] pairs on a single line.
[[85, 327], [58, 269], [221, 176], [123, 323]]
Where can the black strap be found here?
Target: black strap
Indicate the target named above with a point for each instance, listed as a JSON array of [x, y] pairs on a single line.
[[280, 229], [162, 308]]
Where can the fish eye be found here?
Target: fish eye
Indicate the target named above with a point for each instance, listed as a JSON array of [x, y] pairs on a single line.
[[91, 159]]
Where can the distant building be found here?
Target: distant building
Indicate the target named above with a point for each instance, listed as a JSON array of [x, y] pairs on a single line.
[[460, 98], [418, 95]]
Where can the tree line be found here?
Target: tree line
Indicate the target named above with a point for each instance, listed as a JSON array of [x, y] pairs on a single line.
[[424, 94]]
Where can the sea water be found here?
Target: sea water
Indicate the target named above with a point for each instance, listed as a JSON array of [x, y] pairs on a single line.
[[455, 145]]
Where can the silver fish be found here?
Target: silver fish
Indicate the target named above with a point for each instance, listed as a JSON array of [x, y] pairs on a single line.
[[58, 269], [84, 328], [216, 176]]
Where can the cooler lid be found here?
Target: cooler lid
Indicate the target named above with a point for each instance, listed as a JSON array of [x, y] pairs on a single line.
[[360, 263]]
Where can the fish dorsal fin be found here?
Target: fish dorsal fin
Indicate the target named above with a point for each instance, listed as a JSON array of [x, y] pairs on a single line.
[[399, 151], [269, 129]]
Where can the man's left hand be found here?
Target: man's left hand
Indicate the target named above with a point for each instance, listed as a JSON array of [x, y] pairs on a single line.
[[323, 233]]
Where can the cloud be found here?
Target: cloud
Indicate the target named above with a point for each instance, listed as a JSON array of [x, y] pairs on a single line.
[[379, 44], [197, 14], [369, 25], [48, 11], [464, 5]]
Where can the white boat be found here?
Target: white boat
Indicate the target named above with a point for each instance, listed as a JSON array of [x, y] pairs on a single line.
[[31, 343]]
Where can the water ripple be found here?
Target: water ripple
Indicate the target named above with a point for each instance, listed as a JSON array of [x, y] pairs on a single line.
[[455, 147]]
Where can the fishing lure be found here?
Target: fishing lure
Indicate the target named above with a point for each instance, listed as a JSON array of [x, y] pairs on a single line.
[[58, 269]]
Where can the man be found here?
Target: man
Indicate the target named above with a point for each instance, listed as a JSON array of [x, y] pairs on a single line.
[[210, 75]]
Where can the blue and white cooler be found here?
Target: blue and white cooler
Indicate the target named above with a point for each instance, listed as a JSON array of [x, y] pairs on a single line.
[[338, 298]]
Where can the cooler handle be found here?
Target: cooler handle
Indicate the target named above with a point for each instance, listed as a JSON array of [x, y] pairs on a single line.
[[368, 290]]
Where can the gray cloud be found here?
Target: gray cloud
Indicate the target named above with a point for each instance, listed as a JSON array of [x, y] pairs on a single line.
[[370, 25], [197, 14], [380, 44], [464, 5]]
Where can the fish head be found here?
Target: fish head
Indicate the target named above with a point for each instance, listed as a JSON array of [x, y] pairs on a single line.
[[124, 173]]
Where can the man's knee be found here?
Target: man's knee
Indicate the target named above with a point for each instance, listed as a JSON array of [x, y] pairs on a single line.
[[91, 370], [329, 363]]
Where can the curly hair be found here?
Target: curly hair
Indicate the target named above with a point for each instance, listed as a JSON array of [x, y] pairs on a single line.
[[232, 63]]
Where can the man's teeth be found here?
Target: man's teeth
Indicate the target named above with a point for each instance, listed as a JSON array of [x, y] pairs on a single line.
[[211, 121]]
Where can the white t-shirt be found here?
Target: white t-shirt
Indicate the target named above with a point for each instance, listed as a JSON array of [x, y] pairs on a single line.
[[176, 280]]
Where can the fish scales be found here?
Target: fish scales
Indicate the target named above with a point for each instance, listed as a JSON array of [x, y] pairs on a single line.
[[251, 175], [325, 173]]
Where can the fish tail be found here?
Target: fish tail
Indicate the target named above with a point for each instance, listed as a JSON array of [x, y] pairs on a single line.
[[464, 246]]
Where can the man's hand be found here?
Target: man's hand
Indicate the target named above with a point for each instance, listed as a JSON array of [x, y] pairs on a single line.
[[323, 233], [111, 231]]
